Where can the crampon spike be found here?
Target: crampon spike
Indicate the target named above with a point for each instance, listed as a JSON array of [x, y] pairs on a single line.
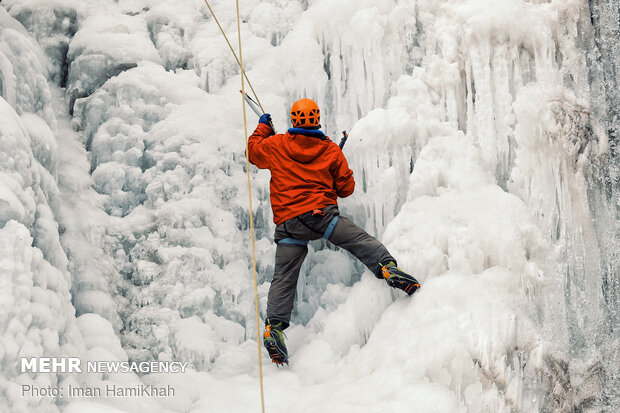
[[277, 357]]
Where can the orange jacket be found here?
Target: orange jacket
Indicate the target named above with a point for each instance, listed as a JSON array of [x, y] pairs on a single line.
[[306, 172]]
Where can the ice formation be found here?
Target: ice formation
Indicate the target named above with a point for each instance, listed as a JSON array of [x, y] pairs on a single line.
[[483, 141]]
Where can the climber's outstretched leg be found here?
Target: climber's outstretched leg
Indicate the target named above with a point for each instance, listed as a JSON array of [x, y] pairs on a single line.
[[373, 254]]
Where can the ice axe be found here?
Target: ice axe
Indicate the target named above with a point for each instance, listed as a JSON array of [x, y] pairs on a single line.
[[254, 106], [345, 135]]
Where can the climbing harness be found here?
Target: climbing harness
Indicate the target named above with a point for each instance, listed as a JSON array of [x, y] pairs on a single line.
[[245, 127], [330, 227], [326, 234]]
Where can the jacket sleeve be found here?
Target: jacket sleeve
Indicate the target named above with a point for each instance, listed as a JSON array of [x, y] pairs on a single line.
[[344, 184], [259, 146]]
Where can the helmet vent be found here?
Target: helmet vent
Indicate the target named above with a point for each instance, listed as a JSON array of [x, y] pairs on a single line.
[[305, 113]]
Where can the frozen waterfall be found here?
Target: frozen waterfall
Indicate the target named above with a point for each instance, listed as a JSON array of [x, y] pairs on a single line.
[[483, 140]]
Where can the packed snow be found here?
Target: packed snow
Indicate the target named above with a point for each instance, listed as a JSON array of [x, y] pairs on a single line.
[[484, 157]]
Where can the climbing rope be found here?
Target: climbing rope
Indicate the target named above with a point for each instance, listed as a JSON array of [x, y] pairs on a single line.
[[247, 162], [235, 54]]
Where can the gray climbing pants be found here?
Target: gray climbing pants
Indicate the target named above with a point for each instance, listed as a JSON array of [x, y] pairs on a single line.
[[289, 257]]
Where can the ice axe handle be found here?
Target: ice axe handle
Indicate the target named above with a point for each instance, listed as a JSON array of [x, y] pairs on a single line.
[[254, 106], [345, 135]]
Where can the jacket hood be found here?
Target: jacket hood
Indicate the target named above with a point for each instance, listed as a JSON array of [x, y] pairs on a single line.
[[304, 148]]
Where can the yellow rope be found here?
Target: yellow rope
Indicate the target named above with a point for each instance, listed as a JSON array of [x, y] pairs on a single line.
[[235, 54], [244, 77], [247, 163]]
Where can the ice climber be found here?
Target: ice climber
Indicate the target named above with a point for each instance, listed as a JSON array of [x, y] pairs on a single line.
[[308, 174]]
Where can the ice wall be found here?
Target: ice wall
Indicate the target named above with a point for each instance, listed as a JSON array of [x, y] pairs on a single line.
[[524, 97], [523, 94], [534, 110], [50, 258], [603, 180], [37, 316], [484, 154]]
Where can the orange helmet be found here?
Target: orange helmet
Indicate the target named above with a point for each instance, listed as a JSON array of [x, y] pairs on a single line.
[[305, 114]]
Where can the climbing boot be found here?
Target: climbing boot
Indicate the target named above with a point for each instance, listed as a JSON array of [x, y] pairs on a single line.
[[396, 278], [273, 339]]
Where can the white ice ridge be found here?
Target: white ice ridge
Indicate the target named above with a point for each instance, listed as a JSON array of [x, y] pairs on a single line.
[[124, 218]]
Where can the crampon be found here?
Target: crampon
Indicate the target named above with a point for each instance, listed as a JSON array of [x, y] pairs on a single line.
[[277, 357], [273, 340], [396, 278]]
